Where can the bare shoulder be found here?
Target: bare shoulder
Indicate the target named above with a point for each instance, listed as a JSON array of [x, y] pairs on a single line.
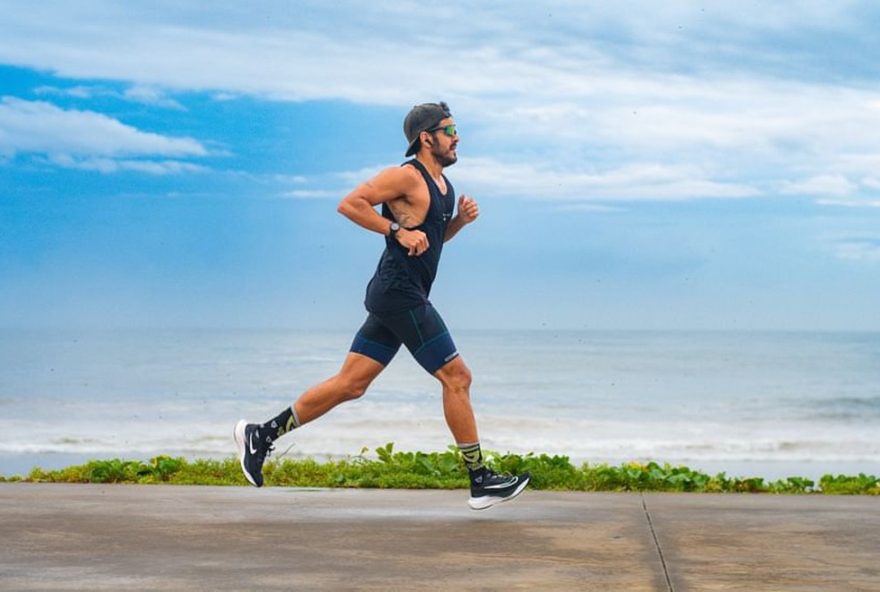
[[415, 183], [392, 183], [400, 178]]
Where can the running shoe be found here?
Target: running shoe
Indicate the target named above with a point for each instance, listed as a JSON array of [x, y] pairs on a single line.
[[252, 451], [490, 489]]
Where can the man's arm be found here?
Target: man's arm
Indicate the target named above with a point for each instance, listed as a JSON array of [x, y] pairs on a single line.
[[359, 206], [468, 210]]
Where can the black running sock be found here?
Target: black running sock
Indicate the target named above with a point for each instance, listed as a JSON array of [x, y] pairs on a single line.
[[277, 427], [473, 460]]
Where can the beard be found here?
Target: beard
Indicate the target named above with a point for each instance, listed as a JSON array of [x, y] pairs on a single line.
[[445, 158]]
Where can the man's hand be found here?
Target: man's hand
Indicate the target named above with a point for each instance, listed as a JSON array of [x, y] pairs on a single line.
[[468, 209], [415, 241]]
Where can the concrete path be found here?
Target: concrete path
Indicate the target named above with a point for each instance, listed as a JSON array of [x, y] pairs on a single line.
[[115, 537]]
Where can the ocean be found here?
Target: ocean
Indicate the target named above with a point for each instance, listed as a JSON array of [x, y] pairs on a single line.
[[768, 404]]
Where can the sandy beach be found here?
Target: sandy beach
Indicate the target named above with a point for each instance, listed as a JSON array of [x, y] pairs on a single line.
[[106, 537]]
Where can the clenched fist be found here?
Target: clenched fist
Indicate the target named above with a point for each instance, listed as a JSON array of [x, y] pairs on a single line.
[[415, 241], [468, 209]]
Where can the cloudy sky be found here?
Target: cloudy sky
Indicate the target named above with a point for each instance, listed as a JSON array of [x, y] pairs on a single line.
[[639, 165]]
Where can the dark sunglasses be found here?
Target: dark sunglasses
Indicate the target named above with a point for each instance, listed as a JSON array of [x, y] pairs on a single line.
[[449, 130]]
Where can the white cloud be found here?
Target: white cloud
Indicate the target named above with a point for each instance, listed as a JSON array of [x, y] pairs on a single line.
[[334, 185], [859, 250], [823, 185], [88, 140], [294, 179], [77, 92], [137, 94], [708, 93], [314, 194], [110, 165], [837, 190], [647, 181], [850, 203], [858, 163], [588, 207], [871, 182], [151, 96], [487, 177]]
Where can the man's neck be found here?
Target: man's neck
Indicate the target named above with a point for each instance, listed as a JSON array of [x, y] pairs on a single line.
[[434, 168]]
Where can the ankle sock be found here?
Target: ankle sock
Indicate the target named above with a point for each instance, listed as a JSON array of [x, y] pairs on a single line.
[[473, 460], [280, 425]]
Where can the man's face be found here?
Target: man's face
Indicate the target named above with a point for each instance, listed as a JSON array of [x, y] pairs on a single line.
[[443, 146]]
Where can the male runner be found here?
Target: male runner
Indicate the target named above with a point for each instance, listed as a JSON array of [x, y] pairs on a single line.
[[417, 218]]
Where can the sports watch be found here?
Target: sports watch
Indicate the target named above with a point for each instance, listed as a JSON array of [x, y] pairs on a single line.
[[394, 228]]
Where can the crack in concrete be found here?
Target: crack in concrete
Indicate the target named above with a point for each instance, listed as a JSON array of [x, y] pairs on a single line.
[[657, 544]]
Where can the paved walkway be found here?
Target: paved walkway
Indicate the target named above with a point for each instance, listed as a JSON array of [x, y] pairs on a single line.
[[114, 537]]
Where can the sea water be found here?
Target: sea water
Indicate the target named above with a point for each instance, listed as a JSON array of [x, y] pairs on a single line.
[[750, 404]]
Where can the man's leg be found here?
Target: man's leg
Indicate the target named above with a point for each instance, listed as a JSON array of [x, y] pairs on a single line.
[[254, 441], [424, 333], [357, 373], [487, 487], [456, 380], [373, 348]]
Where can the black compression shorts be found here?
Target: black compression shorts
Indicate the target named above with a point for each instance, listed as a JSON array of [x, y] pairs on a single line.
[[420, 329]]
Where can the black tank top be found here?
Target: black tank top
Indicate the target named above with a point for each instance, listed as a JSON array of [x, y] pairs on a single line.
[[402, 282]]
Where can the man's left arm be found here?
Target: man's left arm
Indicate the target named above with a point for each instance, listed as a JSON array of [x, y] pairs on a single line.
[[468, 211]]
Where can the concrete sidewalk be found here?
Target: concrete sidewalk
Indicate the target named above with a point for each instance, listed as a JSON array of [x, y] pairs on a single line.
[[112, 537]]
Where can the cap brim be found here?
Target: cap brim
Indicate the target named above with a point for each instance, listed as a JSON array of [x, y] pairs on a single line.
[[413, 147]]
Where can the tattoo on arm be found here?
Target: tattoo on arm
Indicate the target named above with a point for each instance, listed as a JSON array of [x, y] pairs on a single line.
[[402, 214]]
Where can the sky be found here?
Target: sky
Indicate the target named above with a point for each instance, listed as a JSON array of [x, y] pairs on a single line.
[[639, 165]]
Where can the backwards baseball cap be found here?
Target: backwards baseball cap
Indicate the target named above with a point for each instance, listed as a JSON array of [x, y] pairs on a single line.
[[421, 118]]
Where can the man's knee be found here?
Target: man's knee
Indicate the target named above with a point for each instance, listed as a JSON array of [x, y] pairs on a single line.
[[356, 376], [455, 375], [352, 388]]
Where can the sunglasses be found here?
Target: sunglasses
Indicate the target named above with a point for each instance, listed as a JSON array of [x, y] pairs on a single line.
[[449, 130]]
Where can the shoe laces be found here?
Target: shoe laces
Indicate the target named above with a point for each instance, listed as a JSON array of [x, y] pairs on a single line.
[[491, 476], [263, 453], [487, 475]]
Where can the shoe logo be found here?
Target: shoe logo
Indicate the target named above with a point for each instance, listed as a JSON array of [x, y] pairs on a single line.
[[505, 485], [251, 444]]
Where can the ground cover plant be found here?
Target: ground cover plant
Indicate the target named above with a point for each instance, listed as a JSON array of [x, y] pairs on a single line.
[[444, 470]]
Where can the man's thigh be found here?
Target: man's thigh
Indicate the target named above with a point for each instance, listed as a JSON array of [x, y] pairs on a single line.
[[376, 341], [424, 333], [360, 370]]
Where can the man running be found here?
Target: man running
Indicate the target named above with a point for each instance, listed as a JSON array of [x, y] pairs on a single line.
[[417, 218]]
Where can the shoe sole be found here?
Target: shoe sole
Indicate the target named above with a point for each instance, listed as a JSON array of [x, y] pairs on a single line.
[[238, 434], [487, 501]]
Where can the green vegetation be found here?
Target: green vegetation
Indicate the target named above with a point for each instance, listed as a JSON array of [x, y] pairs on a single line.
[[444, 470]]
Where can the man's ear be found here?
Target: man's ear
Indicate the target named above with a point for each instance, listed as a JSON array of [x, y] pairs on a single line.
[[427, 139]]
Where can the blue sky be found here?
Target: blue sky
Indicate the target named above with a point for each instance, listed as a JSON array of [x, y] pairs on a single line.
[[638, 165]]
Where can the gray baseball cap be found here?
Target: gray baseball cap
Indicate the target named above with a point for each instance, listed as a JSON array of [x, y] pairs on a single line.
[[420, 118]]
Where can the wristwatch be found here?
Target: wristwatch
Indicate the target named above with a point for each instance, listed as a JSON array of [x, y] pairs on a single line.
[[394, 228]]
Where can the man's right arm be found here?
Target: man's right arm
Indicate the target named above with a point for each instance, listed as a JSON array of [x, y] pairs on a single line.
[[359, 206]]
